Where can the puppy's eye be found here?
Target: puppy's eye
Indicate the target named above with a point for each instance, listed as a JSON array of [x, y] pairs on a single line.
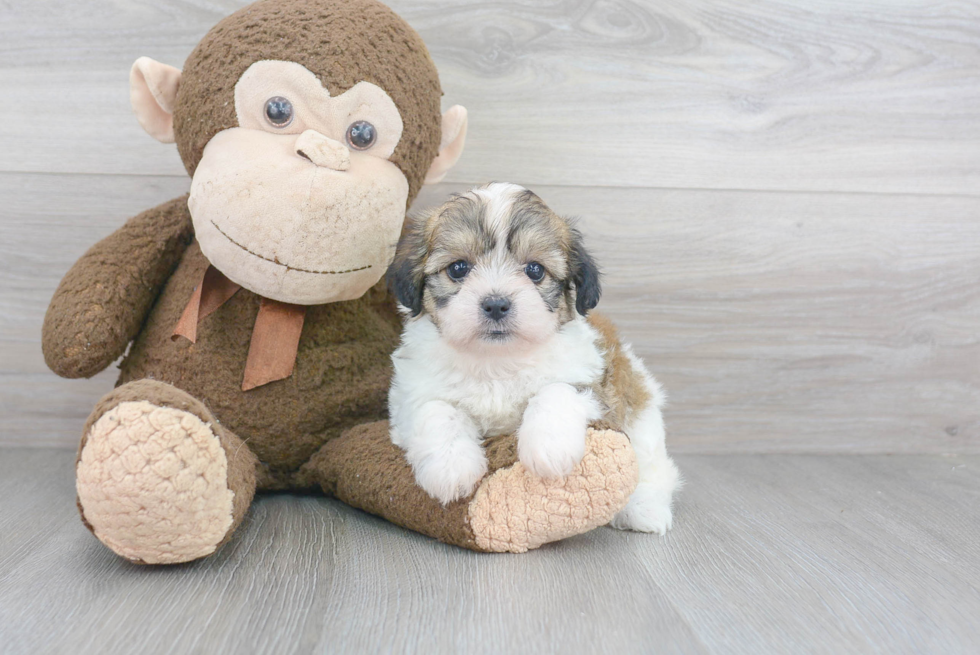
[[361, 135], [458, 270], [279, 111], [535, 271]]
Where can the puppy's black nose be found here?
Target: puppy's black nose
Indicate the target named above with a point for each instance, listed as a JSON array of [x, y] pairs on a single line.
[[495, 307]]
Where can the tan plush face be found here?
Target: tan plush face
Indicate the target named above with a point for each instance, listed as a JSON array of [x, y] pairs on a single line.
[[300, 203], [287, 199]]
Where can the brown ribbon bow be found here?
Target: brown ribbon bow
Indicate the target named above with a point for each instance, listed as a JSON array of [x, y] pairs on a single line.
[[275, 336]]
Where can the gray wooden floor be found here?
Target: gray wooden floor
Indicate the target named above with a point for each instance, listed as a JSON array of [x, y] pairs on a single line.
[[770, 554], [785, 199]]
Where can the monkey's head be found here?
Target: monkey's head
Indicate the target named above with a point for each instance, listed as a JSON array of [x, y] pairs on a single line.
[[308, 127]]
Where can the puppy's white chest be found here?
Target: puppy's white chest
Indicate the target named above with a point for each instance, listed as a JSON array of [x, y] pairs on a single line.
[[493, 393], [497, 405]]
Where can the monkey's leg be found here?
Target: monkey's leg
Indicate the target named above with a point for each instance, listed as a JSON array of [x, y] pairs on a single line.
[[159, 480], [511, 511]]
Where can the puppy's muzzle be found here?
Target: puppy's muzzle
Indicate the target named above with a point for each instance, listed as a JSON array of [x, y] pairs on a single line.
[[495, 308]]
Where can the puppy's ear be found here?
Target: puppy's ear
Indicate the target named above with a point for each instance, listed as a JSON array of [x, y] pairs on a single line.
[[404, 285], [406, 277], [585, 275]]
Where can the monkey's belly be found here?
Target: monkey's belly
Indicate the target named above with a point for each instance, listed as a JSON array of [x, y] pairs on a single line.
[[340, 379]]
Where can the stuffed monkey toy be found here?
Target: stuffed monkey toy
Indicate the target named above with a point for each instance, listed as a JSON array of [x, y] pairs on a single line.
[[258, 334]]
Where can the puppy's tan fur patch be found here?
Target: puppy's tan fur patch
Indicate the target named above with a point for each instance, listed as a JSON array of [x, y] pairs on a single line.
[[622, 389]]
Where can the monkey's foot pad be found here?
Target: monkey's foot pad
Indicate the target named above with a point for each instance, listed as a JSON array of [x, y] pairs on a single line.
[[152, 483], [515, 511]]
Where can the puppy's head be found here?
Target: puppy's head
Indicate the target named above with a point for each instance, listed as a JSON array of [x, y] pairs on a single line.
[[494, 267]]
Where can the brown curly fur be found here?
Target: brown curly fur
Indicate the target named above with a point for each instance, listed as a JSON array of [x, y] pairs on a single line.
[[131, 287], [319, 427], [342, 42]]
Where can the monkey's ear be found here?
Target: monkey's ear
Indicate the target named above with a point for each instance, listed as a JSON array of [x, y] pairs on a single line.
[[585, 276], [153, 92], [451, 147]]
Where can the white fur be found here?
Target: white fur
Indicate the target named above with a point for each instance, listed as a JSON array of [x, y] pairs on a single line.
[[649, 507], [452, 388], [531, 322], [443, 402], [492, 394], [493, 391], [446, 454], [500, 197], [551, 439]]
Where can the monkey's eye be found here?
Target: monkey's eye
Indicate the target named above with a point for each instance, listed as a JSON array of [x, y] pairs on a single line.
[[279, 111], [535, 271], [458, 270], [361, 135]]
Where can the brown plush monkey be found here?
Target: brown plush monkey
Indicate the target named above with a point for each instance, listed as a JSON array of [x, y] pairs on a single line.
[[260, 337]]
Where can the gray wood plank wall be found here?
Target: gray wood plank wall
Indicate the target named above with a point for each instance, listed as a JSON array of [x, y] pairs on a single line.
[[785, 197]]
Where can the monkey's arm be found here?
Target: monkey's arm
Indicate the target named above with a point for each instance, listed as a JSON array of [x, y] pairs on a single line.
[[512, 510], [103, 300]]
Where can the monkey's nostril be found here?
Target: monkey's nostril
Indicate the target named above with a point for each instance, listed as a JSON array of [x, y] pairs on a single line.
[[495, 307], [322, 151]]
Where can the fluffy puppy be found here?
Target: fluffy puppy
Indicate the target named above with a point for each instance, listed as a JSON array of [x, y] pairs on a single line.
[[495, 288]]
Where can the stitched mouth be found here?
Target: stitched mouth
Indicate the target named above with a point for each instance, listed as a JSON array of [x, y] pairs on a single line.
[[286, 266]]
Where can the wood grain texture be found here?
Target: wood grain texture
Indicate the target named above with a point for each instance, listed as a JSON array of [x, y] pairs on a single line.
[[827, 95], [769, 554], [46, 223], [778, 322], [783, 198], [797, 322]]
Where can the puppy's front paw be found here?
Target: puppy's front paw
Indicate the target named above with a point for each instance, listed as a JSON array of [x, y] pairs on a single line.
[[551, 448], [444, 450], [551, 439], [451, 471], [550, 452]]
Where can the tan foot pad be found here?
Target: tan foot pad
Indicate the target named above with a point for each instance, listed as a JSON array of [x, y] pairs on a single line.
[[515, 511], [153, 484]]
